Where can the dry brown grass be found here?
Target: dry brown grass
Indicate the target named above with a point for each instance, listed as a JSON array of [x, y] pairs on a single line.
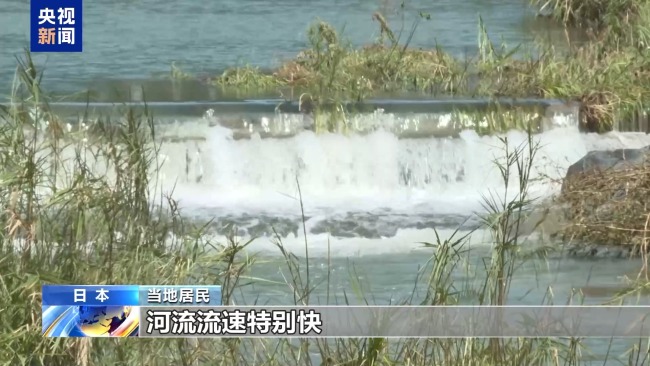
[[597, 110], [610, 207]]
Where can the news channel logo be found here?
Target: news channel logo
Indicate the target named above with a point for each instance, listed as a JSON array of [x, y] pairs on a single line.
[[90, 311], [56, 25]]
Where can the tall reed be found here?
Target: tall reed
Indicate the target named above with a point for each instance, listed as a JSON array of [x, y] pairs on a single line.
[[82, 205]]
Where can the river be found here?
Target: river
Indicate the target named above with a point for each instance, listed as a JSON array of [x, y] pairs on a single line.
[[139, 39], [370, 199]]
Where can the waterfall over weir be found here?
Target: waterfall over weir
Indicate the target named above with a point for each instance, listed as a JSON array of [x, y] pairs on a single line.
[[387, 173]]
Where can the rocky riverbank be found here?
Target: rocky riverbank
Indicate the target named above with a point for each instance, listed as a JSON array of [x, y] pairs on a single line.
[[603, 210]]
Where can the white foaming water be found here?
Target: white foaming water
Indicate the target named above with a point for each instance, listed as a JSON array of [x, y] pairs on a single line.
[[340, 173], [375, 174], [365, 193]]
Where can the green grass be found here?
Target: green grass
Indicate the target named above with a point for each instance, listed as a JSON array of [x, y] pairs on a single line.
[[610, 74], [597, 14], [83, 211]]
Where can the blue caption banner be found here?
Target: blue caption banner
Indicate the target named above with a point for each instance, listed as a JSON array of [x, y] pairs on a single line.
[[56, 26], [102, 295]]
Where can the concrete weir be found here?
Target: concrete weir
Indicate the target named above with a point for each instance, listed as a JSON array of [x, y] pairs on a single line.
[[397, 106], [276, 118]]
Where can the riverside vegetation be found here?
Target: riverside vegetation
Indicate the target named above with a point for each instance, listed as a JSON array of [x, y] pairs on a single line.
[[65, 221], [609, 75]]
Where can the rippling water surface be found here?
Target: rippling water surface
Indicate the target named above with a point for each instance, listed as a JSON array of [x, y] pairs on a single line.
[[127, 39]]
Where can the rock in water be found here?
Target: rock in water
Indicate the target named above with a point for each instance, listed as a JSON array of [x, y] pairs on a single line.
[[608, 193], [610, 159]]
